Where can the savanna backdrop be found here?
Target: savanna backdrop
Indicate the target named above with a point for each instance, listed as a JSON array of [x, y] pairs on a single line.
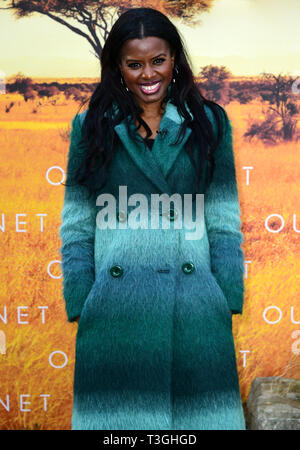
[[37, 344]]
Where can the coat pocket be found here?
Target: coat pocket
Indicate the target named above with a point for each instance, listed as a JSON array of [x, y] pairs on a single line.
[[87, 300], [221, 293]]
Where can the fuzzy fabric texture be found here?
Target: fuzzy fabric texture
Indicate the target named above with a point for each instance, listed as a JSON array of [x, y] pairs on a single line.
[[154, 346]]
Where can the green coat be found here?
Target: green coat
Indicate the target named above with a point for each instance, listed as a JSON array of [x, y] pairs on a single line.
[[154, 345]]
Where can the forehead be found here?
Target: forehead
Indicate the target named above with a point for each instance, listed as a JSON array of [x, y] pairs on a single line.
[[144, 48]]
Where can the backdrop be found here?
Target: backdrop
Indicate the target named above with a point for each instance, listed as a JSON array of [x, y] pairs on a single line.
[[244, 55]]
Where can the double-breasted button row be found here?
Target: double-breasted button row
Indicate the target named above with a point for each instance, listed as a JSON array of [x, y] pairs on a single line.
[[187, 268]]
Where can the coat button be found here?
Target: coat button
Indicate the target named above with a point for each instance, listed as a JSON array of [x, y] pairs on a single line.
[[121, 216], [116, 271], [172, 215], [188, 267]]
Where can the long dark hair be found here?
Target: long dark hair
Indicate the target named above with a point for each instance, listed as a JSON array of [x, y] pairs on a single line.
[[98, 126]]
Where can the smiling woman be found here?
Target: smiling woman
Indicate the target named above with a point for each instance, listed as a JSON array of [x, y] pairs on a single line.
[[154, 345], [152, 70], [148, 75]]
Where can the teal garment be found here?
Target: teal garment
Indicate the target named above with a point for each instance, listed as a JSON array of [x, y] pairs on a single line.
[[154, 345]]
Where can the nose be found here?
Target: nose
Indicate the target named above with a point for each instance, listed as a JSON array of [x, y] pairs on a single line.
[[148, 72]]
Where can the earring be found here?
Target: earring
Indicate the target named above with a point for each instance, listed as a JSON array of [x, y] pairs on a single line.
[[123, 84], [176, 70]]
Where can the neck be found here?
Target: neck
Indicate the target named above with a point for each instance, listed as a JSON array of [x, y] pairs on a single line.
[[153, 110]]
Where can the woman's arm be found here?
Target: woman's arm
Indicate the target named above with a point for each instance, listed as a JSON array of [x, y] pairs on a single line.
[[222, 216], [77, 232]]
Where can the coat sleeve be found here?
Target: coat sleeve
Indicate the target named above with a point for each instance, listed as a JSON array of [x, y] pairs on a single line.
[[77, 232], [222, 217]]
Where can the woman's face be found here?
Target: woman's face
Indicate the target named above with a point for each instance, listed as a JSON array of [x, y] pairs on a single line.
[[147, 68]]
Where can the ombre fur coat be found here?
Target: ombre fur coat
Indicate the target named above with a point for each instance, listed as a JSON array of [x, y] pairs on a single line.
[[154, 344]]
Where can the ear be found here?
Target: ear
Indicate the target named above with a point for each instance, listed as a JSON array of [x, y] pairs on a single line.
[[173, 59]]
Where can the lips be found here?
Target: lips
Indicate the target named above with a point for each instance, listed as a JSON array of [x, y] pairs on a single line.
[[150, 88]]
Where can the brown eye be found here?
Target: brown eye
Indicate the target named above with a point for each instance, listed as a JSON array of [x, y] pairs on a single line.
[[160, 60], [133, 65]]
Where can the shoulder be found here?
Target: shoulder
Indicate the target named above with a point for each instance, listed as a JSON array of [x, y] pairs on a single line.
[[218, 117], [78, 144], [78, 120], [209, 113], [82, 116]]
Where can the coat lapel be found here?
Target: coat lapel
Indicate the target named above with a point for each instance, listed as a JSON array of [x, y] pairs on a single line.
[[142, 157], [156, 164]]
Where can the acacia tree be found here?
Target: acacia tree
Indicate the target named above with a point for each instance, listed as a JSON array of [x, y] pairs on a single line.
[[280, 110], [216, 82], [93, 19], [281, 101]]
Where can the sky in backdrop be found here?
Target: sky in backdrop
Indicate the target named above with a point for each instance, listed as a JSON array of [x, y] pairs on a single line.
[[247, 36]]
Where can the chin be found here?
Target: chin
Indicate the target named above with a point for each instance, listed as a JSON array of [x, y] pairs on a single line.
[[159, 96]]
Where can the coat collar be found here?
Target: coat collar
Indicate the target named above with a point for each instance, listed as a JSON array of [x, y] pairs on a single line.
[[157, 164]]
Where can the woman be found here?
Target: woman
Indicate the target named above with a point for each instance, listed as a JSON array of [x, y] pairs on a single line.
[[154, 345]]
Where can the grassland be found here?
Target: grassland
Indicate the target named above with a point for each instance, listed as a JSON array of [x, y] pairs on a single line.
[[33, 142]]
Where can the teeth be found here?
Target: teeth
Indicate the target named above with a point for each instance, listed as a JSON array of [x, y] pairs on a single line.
[[150, 88]]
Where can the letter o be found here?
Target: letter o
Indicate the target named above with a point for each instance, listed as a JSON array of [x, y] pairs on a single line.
[[48, 269], [269, 307], [53, 365], [267, 226], [52, 182]]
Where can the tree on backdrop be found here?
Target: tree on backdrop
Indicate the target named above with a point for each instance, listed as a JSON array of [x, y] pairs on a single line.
[[93, 19]]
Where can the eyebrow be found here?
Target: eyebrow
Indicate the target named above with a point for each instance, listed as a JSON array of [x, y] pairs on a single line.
[[154, 57]]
